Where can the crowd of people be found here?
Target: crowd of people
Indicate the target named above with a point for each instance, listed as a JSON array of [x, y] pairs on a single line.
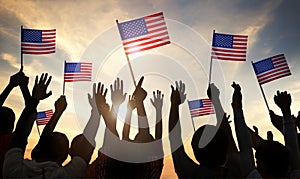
[[218, 158]]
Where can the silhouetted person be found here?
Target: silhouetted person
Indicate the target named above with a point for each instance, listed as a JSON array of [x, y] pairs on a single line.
[[212, 157], [7, 116]]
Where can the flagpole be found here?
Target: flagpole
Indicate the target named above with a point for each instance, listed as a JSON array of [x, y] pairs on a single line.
[[38, 129], [21, 50], [129, 64], [192, 121], [210, 66], [262, 91], [64, 79]]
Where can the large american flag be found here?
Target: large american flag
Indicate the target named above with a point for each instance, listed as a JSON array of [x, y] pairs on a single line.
[[43, 117], [229, 47], [271, 69], [38, 42], [79, 71], [144, 33], [201, 107]]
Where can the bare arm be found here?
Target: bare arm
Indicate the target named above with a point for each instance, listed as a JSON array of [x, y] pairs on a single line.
[[126, 128], [157, 102]]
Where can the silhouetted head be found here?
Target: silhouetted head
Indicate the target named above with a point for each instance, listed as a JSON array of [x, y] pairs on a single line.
[[51, 147], [272, 159], [214, 154], [7, 120]]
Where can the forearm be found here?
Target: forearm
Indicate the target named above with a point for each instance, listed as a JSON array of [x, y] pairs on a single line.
[[142, 117], [158, 126], [24, 125], [174, 127], [244, 141], [92, 126], [5, 93], [50, 126], [26, 93], [126, 128], [110, 122], [291, 140]]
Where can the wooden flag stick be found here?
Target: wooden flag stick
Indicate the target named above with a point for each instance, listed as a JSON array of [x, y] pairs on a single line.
[[129, 64], [261, 89], [210, 66], [192, 120], [64, 79], [21, 49]]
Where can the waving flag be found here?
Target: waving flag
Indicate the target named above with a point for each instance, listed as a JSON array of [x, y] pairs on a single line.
[[229, 47], [38, 42], [43, 117], [144, 33], [271, 69], [201, 107], [80, 71]]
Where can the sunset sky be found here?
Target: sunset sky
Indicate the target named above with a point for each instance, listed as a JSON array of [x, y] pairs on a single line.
[[87, 31]]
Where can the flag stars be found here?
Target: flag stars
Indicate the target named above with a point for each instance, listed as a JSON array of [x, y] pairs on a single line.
[[223, 40], [133, 28]]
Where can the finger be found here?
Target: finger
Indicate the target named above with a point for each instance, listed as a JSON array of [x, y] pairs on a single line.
[[105, 92], [162, 97], [94, 89], [115, 85], [172, 87], [118, 83], [49, 80], [140, 82], [101, 89], [45, 78], [154, 95], [48, 94], [89, 97], [98, 88], [36, 80], [152, 102], [125, 95], [177, 86], [122, 85], [183, 87], [41, 78], [111, 88], [180, 85]]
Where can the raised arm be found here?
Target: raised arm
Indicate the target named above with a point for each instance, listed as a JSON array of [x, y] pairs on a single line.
[[222, 120], [157, 102], [60, 106], [139, 96], [283, 100], [28, 116], [14, 81], [242, 132], [126, 128]]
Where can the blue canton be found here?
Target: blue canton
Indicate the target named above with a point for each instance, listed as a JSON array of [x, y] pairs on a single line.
[[195, 104], [223, 40], [29, 35], [263, 66], [72, 67], [134, 28], [41, 115]]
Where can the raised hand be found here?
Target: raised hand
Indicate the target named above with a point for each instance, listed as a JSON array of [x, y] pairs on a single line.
[[92, 99], [283, 100], [139, 93], [17, 79], [157, 100], [117, 96], [40, 87], [131, 103], [101, 97], [60, 104], [178, 96], [213, 92], [237, 96]]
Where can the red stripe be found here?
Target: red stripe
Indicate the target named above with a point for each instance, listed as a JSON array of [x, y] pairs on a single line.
[[39, 53], [274, 78], [77, 75], [38, 45], [276, 73], [237, 43], [47, 34], [146, 43], [156, 25], [48, 37], [242, 36], [280, 55], [232, 59], [51, 48], [48, 41], [154, 20], [224, 50], [240, 40], [227, 54], [148, 48], [54, 30], [157, 30], [154, 15], [145, 38], [271, 72]]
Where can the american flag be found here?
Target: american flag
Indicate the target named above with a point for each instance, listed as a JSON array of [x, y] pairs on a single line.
[[43, 117], [38, 42], [80, 71], [271, 69], [144, 33], [229, 47], [201, 107]]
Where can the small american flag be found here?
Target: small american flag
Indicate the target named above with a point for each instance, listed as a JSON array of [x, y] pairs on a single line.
[[229, 47], [43, 117], [80, 71], [201, 107], [38, 42], [144, 33], [271, 69]]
